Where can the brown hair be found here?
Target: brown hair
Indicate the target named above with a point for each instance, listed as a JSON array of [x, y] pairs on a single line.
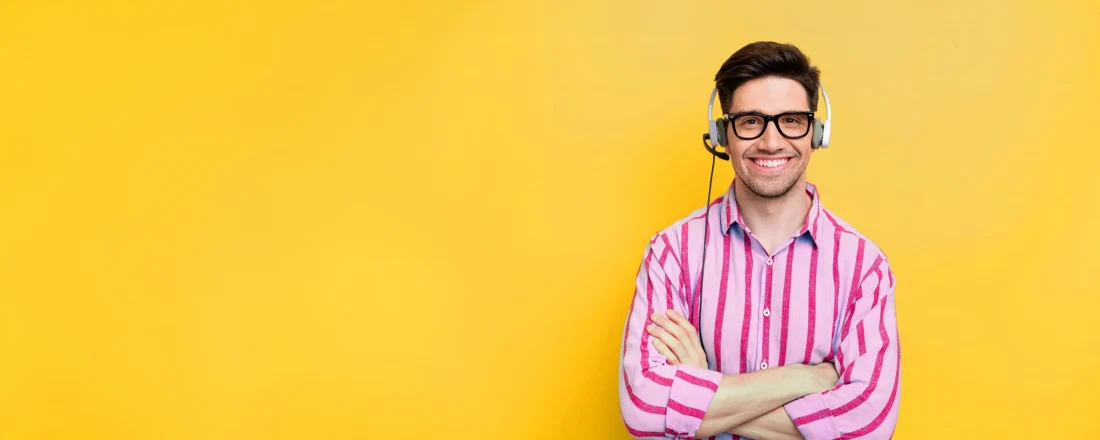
[[766, 58]]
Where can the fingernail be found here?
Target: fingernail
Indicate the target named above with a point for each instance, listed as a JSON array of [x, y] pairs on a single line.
[[673, 313], [654, 316]]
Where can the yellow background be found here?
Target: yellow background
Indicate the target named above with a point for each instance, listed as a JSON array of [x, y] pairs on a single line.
[[343, 220]]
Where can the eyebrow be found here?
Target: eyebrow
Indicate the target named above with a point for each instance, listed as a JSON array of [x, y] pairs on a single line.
[[782, 112]]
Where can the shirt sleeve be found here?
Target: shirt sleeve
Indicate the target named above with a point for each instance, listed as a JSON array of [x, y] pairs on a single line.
[[864, 404], [658, 400]]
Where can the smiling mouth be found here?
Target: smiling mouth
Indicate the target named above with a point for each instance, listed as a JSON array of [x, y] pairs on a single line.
[[771, 163]]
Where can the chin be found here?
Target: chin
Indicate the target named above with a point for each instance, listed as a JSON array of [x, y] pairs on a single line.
[[771, 189]]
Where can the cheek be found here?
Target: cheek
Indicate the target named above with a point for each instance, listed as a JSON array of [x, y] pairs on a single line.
[[803, 146], [739, 147]]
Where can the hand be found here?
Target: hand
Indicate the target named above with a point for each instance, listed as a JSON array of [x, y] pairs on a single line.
[[822, 377], [677, 340]]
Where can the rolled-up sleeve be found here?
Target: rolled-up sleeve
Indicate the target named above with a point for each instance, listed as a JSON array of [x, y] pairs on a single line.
[[865, 402], [658, 400]]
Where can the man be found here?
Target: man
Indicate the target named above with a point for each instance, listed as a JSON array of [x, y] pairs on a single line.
[[797, 307]]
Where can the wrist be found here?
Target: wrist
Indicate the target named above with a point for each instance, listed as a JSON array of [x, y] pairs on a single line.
[[807, 379]]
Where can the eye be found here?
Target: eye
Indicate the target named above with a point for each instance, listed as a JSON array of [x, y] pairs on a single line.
[[748, 121], [793, 120]]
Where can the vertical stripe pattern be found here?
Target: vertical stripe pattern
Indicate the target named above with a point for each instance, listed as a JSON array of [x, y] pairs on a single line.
[[824, 295]]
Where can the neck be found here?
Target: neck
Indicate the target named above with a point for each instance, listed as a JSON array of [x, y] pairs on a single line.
[[773, 219]]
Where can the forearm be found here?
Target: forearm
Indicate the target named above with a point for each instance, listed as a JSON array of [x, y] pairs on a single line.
[[773, 425], [863, 403], [744, 397]]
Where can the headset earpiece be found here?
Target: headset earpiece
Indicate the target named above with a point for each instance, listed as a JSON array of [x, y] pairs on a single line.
[[712, 127], [716, 131], [715, 126], [819, 133], [720, 125]]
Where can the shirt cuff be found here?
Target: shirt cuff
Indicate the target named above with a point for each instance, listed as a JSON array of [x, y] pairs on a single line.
[[689, 397], [812, 417]]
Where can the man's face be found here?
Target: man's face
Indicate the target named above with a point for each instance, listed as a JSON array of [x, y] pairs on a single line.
[[770, 165]]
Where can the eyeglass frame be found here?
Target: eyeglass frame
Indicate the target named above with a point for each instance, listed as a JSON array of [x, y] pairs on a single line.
[[768, 119]]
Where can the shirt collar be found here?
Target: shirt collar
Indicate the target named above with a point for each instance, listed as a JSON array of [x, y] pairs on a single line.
[[730, 214]]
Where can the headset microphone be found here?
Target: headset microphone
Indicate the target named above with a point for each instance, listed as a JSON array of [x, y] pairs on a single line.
[[716, 134], [712, 150]]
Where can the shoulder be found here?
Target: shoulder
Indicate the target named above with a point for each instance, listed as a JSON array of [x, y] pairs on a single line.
[[678, 237], [853, 243]]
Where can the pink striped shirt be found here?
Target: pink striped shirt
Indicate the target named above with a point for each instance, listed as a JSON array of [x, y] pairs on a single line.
[[825, 295]]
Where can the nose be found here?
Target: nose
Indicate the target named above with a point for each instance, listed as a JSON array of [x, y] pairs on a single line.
[[771, 140]]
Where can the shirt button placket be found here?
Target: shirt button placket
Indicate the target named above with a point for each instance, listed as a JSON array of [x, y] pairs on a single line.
[[766, 312]]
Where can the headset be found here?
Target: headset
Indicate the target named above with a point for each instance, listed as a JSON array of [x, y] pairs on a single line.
[[717, 136], [717, 128]]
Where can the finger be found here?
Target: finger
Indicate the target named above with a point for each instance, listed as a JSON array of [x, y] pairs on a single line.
[[663, 349], [689, 337], [669, 326], [684, 323], [669, 340]]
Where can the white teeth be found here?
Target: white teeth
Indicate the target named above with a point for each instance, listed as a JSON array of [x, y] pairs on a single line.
[[773, 163]]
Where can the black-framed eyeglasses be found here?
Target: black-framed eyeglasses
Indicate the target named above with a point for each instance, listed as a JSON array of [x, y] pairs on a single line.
[[750, 125]]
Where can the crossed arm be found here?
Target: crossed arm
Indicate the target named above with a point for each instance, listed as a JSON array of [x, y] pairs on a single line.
[[666, 390], [750, 404]]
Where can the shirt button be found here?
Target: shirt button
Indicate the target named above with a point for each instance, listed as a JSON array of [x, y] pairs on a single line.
[[767, 312], [769, 262], [764, 365]]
